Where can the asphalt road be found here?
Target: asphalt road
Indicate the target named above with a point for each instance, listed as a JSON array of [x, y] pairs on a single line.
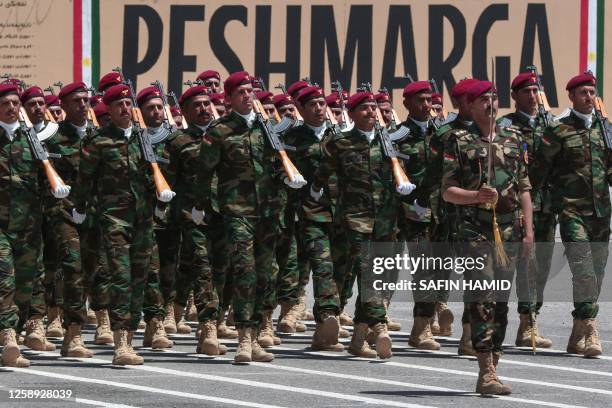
[[299, 377]]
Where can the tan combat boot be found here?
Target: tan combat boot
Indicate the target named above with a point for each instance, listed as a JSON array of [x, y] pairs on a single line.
[[523, 334], [465, 343], [445, 320], [392, 325], [421, 336], [103, 335], [345, 319], [359, 347], [155, 336], [506, 388], [35, 338], [91, 317], [383, 341], [244, 351], [73, 345], [191, 313], [488, 383], [306, 314], [343, 333], [258, 354], [138, 359], [223, 330], [169, 322], [288, 318], [592, 345], [124, 355], [54, 323], [181, 325], [11, 355], [266, 336], [325, 337], [576, 344], [208, 343]]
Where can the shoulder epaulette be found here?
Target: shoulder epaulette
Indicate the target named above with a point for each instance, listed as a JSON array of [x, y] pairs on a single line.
[[505, 122], [563, 114]]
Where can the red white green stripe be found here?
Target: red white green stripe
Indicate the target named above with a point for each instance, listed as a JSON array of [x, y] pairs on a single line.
[[592, 13], [86, 41]]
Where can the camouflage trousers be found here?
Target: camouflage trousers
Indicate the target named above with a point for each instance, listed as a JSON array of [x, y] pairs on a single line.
[[255, 274], [315, 236], [153, 305], [303, 263], [544, 225], [20, 260], [94, 263], [488, 309], [221, 256], [167, 241], [288, 283], [128, 242], [345, 279], [194, 272], [586, 247], [52, 277], [369, 308]]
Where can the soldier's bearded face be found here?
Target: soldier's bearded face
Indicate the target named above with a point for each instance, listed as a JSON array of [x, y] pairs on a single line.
[[121, 112], [198, 110], [386, 110], [153, 112], [364, 116], [56, 111], [314, 111], [525, 99], [484, 107], [35, 109], [287, 110], [241, 99], [9, 108], [76, 106], [419, 106], [583, 98]]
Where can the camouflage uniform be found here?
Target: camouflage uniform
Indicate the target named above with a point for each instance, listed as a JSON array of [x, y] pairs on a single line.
[[544, 219], [221, 251], [21, 182], [465, 166], [367, 205], [286, 251], [115, 165], [194, 271], [315, 219], [578, 165], [247, 169]]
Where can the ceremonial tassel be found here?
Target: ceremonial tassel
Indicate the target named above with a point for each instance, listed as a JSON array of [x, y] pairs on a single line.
[[500, 253]]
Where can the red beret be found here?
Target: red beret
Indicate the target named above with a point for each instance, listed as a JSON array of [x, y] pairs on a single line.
[[73, 87], [115, 93], [308, 93], [282, 100], [415, 87], [108, 80], [359, 98], [7, 89], [462, 87], [256, 82], [209, 74], [522, 80], [12, 81], [51, 100], [217, 98], [297, 87], [333, 100], [264, 97], [478, 89], [100, 110], [436, 99], [31, 92], [149, 92], [583, 79], [94, 100], [174, 111], [382, 97], [235, 80], [191, 92]]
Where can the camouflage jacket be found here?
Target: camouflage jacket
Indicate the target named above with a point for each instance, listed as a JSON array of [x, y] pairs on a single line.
[[367, 200], [532, 139], [466, 161], [247, 169], [158, 142], [21, 182], [416, 151], [578, 164], [305, 151], [64, 152], [122, 178]]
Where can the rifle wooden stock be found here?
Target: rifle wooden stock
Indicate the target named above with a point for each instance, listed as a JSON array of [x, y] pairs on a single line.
[[277, 117], [290, 169], [215, 113], [395, 117], [54, 179], [543, 100], [258, 107], [137, 117], [330, 116], [92, 117], [160, 181], [380, 117], [600, 107], [169, 115], [48, 116], [398, 172]]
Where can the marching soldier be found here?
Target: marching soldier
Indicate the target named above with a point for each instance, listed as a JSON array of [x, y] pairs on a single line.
[[526, 119], [210, 79], [102, 115], [284, 105], [437, 105], [485, 175], [20, 223], [576, 159], [218, 100], [52, 103], [386, 109], [112, 160], [367, 210]]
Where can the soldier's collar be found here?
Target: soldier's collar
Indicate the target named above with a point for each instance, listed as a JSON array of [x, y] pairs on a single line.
[[318, 131], [10, 128], [528, 119], [587, 118]]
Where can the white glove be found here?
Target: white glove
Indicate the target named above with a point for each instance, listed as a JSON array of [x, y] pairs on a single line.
[[296, 183], [160, 213], [61, 191], [420, 211], [197, 216], [316, 195], [405, 188], [166, 196], [77, 217]]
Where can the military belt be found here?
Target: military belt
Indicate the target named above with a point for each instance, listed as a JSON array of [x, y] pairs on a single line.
[[486, 216]]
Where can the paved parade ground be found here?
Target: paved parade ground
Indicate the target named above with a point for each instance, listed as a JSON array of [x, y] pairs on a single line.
[[299, 377]]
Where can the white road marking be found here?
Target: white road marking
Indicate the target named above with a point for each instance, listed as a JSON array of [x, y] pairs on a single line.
[[102, 404]]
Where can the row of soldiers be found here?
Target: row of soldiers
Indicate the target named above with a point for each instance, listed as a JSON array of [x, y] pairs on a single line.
[[244, 209]]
